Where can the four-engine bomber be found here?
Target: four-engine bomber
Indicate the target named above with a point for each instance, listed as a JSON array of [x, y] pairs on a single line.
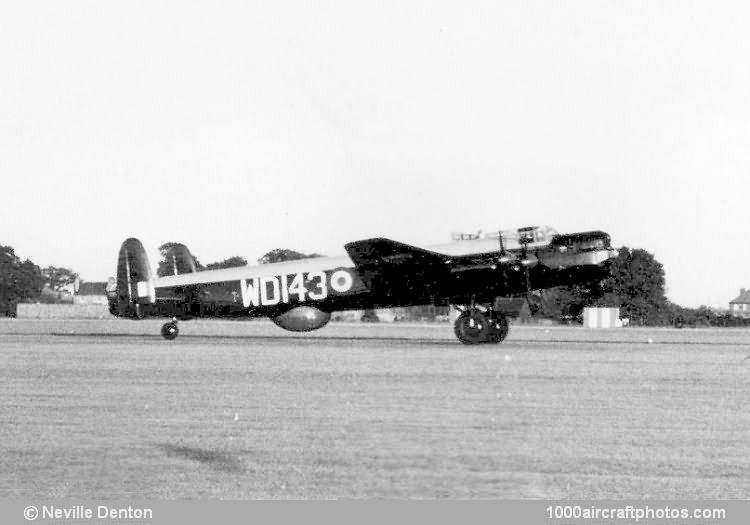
[[469, 273]]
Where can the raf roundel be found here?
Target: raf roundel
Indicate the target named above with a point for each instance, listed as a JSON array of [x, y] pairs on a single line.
[[341, 281]]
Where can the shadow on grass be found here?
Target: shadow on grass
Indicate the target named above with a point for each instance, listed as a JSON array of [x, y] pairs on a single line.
[[216, 459], [408, 340], [263, 338]]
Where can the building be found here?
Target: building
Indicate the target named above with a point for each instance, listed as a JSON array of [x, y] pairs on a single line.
[[740, 305], [601, 318]]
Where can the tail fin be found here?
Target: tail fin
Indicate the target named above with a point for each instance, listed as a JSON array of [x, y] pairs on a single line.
[[179, 261], [134, 285]]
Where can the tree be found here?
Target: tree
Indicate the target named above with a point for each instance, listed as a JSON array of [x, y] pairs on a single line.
[[231, 262], [635, 284], [58, 278], [283, 254], [680, 316], [19, 281], [567, 302], [166, 265]]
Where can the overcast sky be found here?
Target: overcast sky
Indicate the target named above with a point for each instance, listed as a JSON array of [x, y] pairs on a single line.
[[241, 127]]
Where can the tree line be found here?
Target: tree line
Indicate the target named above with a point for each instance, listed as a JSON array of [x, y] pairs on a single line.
[[636, 285], [23, 281]]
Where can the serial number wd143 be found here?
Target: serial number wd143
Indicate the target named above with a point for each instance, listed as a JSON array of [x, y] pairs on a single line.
[[300, 287]]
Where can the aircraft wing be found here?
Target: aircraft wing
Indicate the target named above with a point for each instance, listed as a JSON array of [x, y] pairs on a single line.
[[390, 268]]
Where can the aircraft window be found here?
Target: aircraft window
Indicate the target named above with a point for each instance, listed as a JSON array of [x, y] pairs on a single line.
[[595, 244]]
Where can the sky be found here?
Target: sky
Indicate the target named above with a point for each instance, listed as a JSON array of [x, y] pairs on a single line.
[[239, 127]]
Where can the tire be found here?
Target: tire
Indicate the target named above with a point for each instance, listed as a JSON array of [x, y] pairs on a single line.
[[498, 325], [169, 331], [471, 328]]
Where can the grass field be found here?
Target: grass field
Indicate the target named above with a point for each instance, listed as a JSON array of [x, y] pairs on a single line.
[[107, 409]]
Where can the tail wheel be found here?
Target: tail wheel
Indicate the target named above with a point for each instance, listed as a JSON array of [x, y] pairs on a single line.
[[498, 328], [472, 327], [169, 331]]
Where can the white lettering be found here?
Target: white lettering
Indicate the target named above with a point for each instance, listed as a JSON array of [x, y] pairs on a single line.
[[123, 513], [75, 512], [264, 297], [321, 284], [284, 289], [250, 292], [297, 287], [272, 290]]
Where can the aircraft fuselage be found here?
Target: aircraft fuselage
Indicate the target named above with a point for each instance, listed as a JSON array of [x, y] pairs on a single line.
[[300, 295], [468, 269]]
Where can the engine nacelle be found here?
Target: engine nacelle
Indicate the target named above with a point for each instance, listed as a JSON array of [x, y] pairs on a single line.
[[302, 319]]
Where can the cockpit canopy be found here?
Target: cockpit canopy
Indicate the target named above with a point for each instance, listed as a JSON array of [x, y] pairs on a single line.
[[531, 236]]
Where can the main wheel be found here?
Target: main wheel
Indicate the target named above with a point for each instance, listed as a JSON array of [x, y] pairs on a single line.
[[498, 325], [471, 327], [169, 331]]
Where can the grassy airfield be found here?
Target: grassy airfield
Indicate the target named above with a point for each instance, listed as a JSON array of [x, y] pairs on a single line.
[[107, 409]]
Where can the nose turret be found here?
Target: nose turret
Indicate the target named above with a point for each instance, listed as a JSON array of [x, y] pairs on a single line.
[[593, 240], [581, 249]]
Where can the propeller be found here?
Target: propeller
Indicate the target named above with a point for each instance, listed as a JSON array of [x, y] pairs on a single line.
[[504, 257], [524, 261]]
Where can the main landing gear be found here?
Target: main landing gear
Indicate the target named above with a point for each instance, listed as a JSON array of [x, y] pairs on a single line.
[[475, 326], [169, 330]]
